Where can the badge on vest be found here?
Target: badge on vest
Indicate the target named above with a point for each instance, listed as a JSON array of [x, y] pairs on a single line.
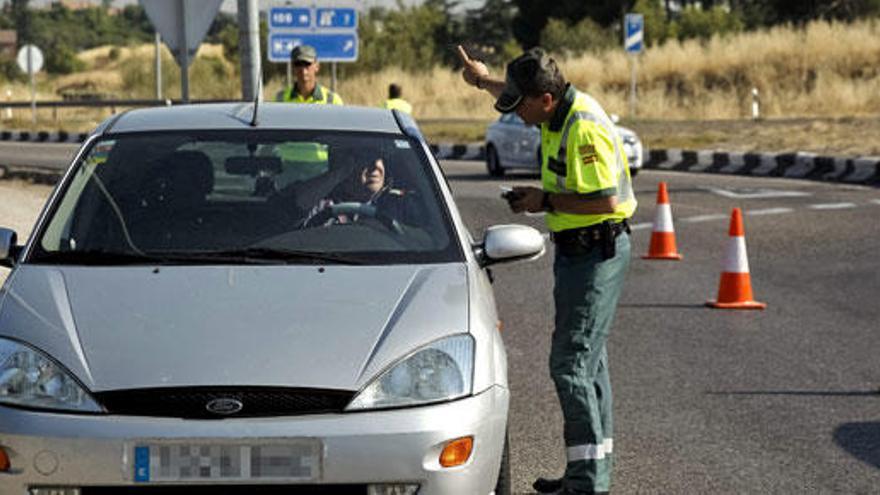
[[588, 154], [556, 166]]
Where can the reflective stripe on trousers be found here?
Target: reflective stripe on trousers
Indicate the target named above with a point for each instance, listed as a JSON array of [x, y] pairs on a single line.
[[589, 451]]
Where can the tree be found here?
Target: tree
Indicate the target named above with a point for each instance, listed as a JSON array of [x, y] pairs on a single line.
[[534, 14], [21, 16], [489, 33]]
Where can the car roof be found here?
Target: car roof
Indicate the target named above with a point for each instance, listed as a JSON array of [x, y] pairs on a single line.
[[237, 116]]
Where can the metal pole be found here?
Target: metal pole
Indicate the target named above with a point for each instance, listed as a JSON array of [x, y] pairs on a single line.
[[249, 41], [289, 73], [30, 67], [333, 77], [184, 55], [632, 87], [158, 53]]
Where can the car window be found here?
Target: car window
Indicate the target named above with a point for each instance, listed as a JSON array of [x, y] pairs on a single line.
[[372, 197]]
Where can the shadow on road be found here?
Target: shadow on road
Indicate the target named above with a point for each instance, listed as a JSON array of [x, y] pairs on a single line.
[[660, 305], [813, 393], [861, 440]]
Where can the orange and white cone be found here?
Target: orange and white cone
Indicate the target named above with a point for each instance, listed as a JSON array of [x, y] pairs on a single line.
[[663, 233], [735, 290]]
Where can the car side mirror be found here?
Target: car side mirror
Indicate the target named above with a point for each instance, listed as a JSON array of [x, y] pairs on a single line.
[[507, 243], [8, 247]]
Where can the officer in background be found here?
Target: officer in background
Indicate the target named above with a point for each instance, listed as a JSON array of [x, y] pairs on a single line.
[[306, 89], [395, 101], [587, 196]]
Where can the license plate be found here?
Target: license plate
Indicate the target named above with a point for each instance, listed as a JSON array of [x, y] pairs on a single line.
[[292, 460]]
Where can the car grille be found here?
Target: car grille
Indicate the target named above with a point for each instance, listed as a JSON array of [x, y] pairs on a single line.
[[192, 402], [226, 490]]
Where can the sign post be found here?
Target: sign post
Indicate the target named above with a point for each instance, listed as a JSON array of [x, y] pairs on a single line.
[[30, 60], [182, 24], [633, 43], [331, 30]]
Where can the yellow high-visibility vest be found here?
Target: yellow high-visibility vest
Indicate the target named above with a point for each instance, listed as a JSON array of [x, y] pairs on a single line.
[[320, 96], [583, 154], [398, 104]]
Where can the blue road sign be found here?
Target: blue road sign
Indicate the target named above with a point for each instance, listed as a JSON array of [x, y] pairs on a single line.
[[336, 18], [289, 17], [634, 33], [331, 47]]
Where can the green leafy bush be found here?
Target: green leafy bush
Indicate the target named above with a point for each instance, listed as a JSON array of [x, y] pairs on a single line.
[[572, 40]]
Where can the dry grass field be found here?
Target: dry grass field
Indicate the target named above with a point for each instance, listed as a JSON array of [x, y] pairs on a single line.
[[819, 88]]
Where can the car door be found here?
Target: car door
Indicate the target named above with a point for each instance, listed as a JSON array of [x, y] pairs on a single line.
[[506, 139], [528, 140]]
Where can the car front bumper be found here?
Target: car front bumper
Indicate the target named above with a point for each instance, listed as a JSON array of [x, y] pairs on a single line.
[[392, 446]]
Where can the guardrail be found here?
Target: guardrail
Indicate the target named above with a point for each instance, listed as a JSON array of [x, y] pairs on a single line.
[[105, 103]]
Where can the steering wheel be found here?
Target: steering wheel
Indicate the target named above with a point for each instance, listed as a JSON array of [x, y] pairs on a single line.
[[368, 210]]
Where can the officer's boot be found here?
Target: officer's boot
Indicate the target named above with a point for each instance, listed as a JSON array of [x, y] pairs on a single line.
[[547, 485]]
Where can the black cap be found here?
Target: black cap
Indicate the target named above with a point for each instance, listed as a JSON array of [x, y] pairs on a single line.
[[521, 75]]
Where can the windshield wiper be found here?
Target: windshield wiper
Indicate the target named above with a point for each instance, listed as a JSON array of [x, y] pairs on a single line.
[[288, 256], [249, 256], [98, 257]]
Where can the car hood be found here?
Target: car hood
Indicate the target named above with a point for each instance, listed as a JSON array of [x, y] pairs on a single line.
[[294, 326]]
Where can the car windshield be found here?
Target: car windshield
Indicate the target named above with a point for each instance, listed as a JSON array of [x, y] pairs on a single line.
[[249, 197]]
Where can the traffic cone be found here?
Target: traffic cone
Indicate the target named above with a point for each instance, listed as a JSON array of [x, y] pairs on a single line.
[[735, 290], [663, 234]]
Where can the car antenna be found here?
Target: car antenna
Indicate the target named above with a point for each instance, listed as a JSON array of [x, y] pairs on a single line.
[[257, 98]]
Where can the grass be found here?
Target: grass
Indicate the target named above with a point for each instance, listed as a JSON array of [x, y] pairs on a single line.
[[824, 72]]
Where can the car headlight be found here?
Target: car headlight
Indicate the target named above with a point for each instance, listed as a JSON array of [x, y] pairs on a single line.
[[29, 378], [437, 372]]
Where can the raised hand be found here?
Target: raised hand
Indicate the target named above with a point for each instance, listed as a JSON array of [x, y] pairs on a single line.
[[474, 70]]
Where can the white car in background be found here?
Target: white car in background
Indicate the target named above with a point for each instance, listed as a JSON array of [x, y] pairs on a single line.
[[512, 144]]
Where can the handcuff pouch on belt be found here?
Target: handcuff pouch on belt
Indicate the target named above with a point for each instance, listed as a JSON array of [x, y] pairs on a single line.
[[575, 242]]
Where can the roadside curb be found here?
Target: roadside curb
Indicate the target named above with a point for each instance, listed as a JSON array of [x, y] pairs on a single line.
[[800, 165], [471, 151], [43, 136]]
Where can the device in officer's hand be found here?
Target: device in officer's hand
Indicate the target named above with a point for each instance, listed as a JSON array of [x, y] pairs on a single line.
[[509, 194]]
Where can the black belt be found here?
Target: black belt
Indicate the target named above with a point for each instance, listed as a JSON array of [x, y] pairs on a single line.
[[572, 242]]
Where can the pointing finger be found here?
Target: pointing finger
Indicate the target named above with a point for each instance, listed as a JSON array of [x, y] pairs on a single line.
[[463, 54]]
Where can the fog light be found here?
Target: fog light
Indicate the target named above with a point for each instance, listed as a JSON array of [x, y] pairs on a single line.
[[54, 491], [457, 452], [4, 461], [393, 489]]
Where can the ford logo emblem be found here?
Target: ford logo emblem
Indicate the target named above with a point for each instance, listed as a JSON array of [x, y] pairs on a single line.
[[225, 406]]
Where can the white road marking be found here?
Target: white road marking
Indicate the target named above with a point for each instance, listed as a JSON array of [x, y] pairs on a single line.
[[769, 211], [876, 201], [831, 206], [641, 226], [750, 193], [705, 218]]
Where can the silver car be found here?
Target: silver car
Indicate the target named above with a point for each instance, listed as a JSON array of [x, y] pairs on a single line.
[[512, 144], [250, 299]]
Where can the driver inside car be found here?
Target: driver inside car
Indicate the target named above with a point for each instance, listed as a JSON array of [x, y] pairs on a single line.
[[364, 193]]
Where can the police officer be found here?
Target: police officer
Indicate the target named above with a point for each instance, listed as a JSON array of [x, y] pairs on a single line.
[[306, 89], [587, 196], [395, 100]]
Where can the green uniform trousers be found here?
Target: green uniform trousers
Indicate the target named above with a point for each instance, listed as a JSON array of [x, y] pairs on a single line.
[[586, 291]]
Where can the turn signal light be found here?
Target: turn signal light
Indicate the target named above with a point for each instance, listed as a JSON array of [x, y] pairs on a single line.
[[4, 461], [457, 452]]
